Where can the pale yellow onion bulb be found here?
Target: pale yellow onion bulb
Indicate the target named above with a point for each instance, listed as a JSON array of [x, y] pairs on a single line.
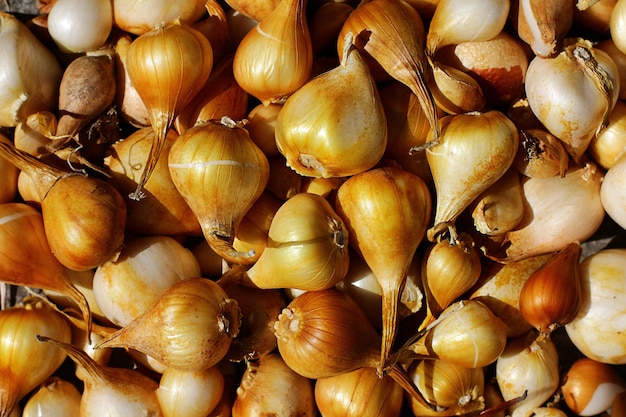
[[457, 389], [146, 267], [270, 387], [80, 25], [528, 365], [617, 25], [139, 16], [613, 192], [29, 74], [190, 393], [573, 93], [275, 58], [24, 362], [607, 146], [168, 67], [334, 125], [55, 397], [474, 151], [559, 210], [458, 21], [603, 307], [307, 247]]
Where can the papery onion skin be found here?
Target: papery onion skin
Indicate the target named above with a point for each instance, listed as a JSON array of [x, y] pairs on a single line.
[[602, 309]]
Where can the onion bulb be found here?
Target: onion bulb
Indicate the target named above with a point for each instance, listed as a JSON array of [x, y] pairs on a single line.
[[80, 25], [166, 81], [602, 308], [24, 362], [386, 211], [334, 125], [30, 74]]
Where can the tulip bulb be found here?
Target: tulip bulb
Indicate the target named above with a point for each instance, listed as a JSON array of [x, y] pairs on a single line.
[[544, 25], [325, 333], [529, 366], [275, 58], [458, 21], [466, 334], [79, 25], [602, 306], [22, 234], [454, 389], [270, 387], [334, 125], [220, 173], [359, 393], [165, 81]]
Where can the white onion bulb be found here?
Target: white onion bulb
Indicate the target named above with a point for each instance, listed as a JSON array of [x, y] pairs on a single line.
[[598, 330], [613, 192], [80, 25]]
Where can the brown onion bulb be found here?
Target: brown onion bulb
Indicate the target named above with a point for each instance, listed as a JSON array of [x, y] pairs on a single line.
[[220, 173], [189, 327], [84, 216], [325, 333], [386, 211], [590, 387], [551, 296]]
